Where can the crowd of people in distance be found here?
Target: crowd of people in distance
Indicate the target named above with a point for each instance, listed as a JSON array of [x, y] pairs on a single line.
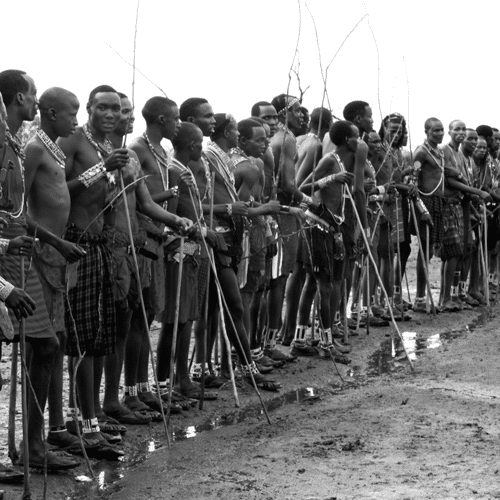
[[214, 227]]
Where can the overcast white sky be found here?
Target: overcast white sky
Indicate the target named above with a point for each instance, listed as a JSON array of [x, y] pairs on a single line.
[[235, 53]]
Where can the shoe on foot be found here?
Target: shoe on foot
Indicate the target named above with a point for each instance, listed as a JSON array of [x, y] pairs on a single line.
[[277, 355], [300, 348]]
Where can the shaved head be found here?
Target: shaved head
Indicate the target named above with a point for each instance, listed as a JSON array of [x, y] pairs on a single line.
[[56, 98], [454, 123], [186, 134]]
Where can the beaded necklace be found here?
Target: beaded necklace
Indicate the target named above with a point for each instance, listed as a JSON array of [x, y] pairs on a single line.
[[161, 161], [101, 149], [224, 165], [17, 148], [53, 148], [438, 156]]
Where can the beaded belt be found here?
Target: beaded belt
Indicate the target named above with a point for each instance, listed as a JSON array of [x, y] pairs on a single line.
[[313, 218]]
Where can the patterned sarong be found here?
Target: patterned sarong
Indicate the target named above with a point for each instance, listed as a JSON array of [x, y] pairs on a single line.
[[90, 309]]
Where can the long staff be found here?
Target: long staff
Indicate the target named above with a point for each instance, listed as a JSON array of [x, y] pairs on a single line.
[[400, 274], [141, 299], [205, 332], [223, 322], [427, 243], [24, 396], [422, 257], [224, 305], [13, 454], [370, 256], [486, 263], [176, 324]]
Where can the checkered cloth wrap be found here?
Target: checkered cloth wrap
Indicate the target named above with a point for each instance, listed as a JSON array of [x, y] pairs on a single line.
[[453, 227], [435, 206], [38, 325], [91, 301]]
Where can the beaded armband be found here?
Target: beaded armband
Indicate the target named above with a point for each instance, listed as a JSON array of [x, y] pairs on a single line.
[[421, 207], [4, 245], [325, 181], [5, 289], [93, 174], [305, 201]]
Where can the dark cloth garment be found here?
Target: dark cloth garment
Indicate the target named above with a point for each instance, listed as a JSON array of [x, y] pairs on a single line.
[[189, 309], [288, 245], [317, 245], [38, 325], [453, 230], [434, 205], [469, 235], [349, 227], [90, 308], [231, 228]]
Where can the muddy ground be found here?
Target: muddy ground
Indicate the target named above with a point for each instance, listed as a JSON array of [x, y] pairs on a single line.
[[384, 433]]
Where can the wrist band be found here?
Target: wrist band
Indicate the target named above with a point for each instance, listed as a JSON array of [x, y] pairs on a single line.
[[5, 289], [325, 181], [284, 209], [93, 174], [368, 232], [203, 231], [421, 207], [175, 191], [381, 189], [306, 199], [4, 245], [229, 209]]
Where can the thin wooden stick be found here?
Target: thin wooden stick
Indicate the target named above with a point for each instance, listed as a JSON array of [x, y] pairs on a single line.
[[422, 256], [205, 333], [24, 396], [370, 256], [427, 243], [13, 454], [141, 300]]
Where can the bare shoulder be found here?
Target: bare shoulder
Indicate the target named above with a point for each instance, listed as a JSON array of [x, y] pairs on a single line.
[[138, 145], [34, 152], [72, 143]]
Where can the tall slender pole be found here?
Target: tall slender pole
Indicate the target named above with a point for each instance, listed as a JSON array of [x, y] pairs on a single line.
[[141, 298], [24, 395], [370, 256]]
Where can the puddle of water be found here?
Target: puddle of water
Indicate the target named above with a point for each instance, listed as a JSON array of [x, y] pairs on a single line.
[[305, 394], [108, 473], [391, 351]]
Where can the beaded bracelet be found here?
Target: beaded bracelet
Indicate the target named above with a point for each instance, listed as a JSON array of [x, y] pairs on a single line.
[[229, 209], [325, 181], [93, 174], [4, 245]]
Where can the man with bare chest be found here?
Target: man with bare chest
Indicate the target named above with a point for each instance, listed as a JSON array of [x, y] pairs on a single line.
[[49, 205], [90, 314], [323, 252]]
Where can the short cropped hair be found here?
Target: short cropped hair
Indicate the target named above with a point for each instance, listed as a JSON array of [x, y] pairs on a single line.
[[186, 133], [97, 90], [256, 107], [190, 107], [428, 123], [12, 82], [340, 130], [156, 106], [245, 127], [353, 109], [326, 118], [484, 131]]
